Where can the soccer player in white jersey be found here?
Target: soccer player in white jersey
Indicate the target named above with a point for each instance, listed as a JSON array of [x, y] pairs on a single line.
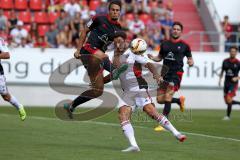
[[4, 54], [135, 92]]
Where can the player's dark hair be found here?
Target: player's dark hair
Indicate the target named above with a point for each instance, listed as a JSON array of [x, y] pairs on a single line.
[[178, 24], [233, 47], [116, 2], [120, 34]]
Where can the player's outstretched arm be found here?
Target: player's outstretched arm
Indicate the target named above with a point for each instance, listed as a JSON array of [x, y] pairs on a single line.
[[220, 78], [235, 79], [153, 70], [83, 35], [154, 58]]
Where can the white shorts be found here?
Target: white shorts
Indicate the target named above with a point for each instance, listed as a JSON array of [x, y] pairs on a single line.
[[135, 99], [3, 86]]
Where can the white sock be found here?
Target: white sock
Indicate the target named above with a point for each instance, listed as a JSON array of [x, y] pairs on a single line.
[[164, 122], [15, 103], [129, 133]]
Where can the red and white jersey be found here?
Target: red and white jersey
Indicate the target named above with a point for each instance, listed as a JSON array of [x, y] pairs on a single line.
[[131, 79]]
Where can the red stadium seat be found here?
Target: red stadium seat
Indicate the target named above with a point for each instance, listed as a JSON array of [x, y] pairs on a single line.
[[27, 27], [7, 14], [84, 2], [94, 4], [6, 4], [25, 16], [145, 18], [21, 4], [42, 29], [53, 16], [36, 4], [41, 17]]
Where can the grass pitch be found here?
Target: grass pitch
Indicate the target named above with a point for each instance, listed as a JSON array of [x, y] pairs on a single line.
[[44, 137]]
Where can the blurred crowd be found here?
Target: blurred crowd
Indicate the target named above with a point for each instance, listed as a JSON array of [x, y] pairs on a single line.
[[149, 19], [231, 33]]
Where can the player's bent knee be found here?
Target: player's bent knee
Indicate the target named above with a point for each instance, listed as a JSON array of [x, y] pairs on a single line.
[[6, 97], [150, 110], [228, 100], [124, 113], [160, 100], [168, 97]]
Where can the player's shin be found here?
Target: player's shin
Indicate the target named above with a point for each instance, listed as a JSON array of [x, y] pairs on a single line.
[[15, 102], [167, 108], [129, 132], [163, 121], [229, 109]]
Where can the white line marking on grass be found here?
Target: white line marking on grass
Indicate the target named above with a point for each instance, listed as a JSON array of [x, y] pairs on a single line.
[[118, 125]]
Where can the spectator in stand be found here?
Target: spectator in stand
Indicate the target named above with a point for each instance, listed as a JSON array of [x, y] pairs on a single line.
[[154, 29], [51, 36], [64, 38], [85, 14], [3, 21], [141, 6], [12, 20], [25, 43], [33, 33], [18, 33], [167, 25], [76, 25], [124, 22], [136, 26], [4, 35], [128, 6], [153, 24], [72, 8], [159, 9], [41, 43], [227, 29], [170, 10], [102, 9], [62, 20]]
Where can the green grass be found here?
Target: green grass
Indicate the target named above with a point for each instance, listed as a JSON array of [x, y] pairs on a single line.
[[48, 138]]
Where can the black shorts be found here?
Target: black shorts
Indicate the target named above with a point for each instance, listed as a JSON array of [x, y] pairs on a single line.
[[172, 78], [230, 89], [89, 61]]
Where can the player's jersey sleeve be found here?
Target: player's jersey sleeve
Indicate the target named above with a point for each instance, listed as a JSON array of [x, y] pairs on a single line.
[[188, 52], [92, 23], [3, 46]]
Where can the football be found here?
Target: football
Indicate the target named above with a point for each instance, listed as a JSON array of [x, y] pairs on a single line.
[[138, 46]]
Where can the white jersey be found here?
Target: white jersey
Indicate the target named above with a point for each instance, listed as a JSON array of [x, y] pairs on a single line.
[[134, 86], [3, 48], [3, 86], [132, 78]]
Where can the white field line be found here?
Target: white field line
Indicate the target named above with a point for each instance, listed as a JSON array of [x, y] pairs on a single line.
[[118, 125]]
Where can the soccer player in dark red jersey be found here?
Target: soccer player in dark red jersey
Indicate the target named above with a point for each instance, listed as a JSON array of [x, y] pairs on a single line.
[[172, 52], [231, 67], [101, 30]]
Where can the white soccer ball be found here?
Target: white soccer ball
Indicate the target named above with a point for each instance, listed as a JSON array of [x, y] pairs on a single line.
[[138, 46]]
